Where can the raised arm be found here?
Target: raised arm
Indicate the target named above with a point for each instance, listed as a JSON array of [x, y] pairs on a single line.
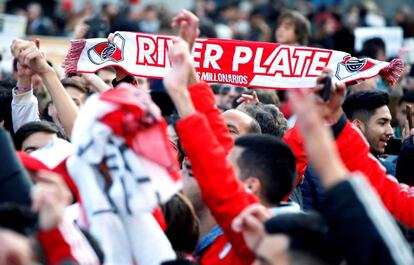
[[29, 55], [207, 155]]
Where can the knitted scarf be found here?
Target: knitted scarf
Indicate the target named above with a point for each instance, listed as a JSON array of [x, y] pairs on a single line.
[[241, 63]]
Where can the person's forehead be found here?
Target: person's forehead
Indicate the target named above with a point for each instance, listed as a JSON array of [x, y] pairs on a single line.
[[287, 22], [237, 118], [382, 113], [39, 139], [73, 91]]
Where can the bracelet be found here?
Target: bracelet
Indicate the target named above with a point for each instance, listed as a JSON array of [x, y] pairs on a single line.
[[23, 88]]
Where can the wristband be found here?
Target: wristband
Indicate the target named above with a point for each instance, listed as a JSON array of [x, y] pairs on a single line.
[[23, 88]]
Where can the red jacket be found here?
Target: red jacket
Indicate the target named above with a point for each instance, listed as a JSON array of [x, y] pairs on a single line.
[[354, 152], [222, 192], [205, 137]]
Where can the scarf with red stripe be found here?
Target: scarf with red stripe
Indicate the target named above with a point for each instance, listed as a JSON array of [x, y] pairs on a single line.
[[241, 63]]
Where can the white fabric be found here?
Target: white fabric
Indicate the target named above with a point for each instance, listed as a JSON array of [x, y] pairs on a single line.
[[54, 152], [119, 215], [24, 109]]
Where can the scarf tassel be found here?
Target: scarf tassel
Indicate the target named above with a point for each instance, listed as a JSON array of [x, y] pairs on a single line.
[[393, 71], [71, 60]]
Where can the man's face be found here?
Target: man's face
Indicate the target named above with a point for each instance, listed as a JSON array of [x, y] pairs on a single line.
[[378, 130], [37, 140], [77, 96], [238, 122], [228, 94], [107, 76], [402, 114], [285, 33]]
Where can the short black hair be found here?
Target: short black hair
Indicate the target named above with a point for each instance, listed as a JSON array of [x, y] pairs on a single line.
[[362, 105], [33, 127], [271, 161], [407, 97]]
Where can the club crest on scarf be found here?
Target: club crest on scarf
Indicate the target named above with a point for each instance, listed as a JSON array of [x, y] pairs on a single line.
[[108, 51], [351, 65]]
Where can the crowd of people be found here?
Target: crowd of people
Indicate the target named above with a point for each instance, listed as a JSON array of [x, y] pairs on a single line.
[[109, 168]]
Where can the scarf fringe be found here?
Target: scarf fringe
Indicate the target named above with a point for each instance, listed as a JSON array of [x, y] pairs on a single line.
[[393, 71], [72, 58]]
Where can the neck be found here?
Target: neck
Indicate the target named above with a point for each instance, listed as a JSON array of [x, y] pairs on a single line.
[[207, 221]]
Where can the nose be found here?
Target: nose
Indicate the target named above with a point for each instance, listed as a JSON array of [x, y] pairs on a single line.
[[389, 131]]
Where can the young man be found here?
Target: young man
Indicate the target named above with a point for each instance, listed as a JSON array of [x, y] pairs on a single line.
[[262, 164], [373, 236], [368, 110]]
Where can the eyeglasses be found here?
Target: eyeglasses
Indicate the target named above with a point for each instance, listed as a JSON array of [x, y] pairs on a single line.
[[224, 90]]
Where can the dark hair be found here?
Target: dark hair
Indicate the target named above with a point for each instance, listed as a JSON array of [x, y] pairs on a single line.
[[33, 127], [371, 47], [6, 97], [407, 97], [271, 161], [301, 23], [254, 127], [279, 118], [18, 218], [266, 122], [362, 105], [182, 224], [270, 119]]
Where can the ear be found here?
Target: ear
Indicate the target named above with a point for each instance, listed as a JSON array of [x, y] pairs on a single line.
[[253, 185], [359, 124]]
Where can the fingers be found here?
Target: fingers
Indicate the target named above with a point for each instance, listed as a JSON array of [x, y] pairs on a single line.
[[252, 217], [24, 51], [111, 37], [184, 15]]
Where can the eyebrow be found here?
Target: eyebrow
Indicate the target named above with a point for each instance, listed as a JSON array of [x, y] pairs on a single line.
[[384, 119], [231, 127]]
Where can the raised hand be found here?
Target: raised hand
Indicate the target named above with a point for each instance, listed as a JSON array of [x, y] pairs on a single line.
[[245, 98], [187, 23], [250, 223], [330, 110], [28, 55], [176, 80], [181, 62]]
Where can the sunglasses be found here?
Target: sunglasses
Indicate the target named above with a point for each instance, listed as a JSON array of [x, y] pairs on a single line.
[[224, 90]]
